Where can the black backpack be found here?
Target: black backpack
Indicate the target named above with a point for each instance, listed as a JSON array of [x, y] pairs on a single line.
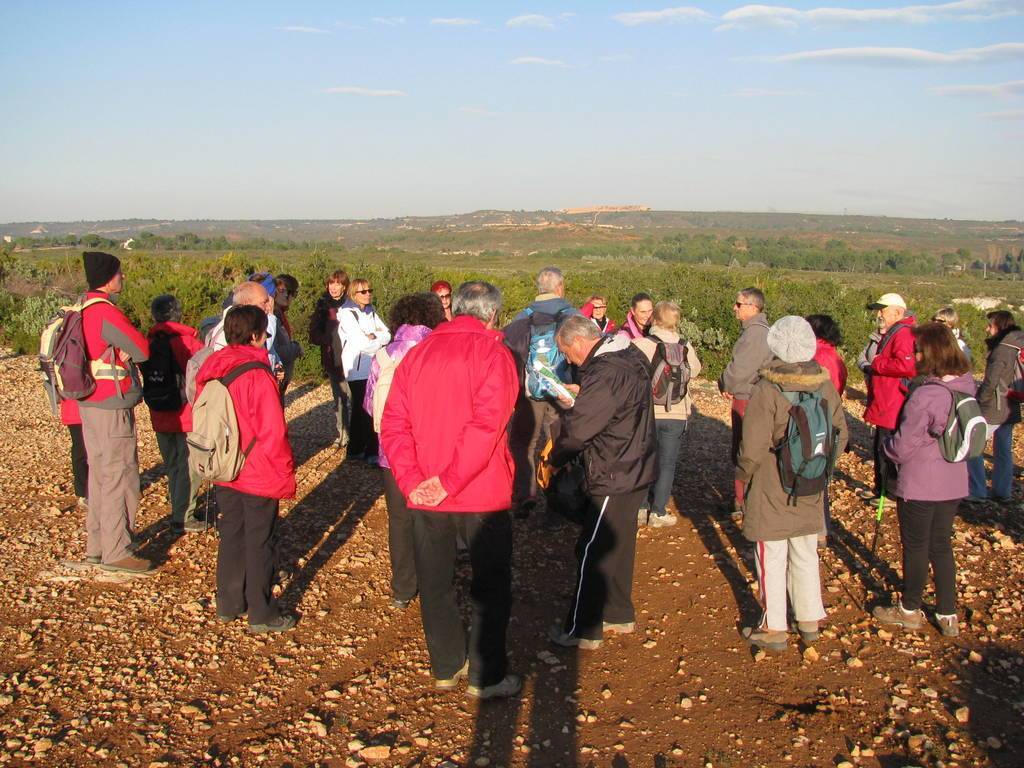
[[163, 381], [670, 374]]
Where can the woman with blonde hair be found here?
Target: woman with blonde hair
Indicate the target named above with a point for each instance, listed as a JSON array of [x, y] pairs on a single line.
[[362, 332], [676, 357]]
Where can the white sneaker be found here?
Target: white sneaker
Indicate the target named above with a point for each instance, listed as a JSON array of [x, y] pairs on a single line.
[[664, 520], [510, 685]]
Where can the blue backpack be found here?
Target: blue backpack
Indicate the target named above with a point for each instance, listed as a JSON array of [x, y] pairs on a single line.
[[544, 352], [806, 455]]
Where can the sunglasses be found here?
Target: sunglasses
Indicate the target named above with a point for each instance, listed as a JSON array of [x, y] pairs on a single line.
[[444, 295], [365, 290], [599, 306], [739, 304]]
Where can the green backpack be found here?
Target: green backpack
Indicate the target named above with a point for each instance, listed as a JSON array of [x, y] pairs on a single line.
[[966, 430], [806, 454]]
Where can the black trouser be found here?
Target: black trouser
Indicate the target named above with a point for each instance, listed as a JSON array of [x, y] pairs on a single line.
[[362, 438], [885, 470], [926, 528], [79, 461], [489, 536], [246, 557], [605, 552], [400, 541]]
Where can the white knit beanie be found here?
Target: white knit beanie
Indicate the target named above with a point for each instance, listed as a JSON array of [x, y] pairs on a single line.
[[792, 340]]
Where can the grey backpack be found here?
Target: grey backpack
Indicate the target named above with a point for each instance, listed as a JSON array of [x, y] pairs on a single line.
[[214, 449]]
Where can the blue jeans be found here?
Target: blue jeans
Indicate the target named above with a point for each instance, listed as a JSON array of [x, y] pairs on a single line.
[[1002, 467], [670, 433]]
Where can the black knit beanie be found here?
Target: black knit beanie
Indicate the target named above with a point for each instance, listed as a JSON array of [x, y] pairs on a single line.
[[99, 268]]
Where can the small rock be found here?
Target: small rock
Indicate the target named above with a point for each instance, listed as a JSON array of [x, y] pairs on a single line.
[[482, 761], [685, 702], [854, 663], [606, 692], [759, 655], [811, 655], [915, 742], [844, 764], [318, 728], [930, 693], [333, 693], [884, 635], [974, 657], [963, 714], [376, 752], [993, 742], [355, 745]]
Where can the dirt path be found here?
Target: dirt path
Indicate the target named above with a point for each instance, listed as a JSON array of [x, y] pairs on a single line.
[[97, 670]]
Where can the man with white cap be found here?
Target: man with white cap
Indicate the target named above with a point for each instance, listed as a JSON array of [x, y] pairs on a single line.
[[891, 369], [783, 508]]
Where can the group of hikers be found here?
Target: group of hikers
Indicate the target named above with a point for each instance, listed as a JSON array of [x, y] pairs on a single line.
[[473, 425]]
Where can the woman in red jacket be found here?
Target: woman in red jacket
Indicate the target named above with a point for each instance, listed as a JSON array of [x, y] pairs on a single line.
[[248, 504]]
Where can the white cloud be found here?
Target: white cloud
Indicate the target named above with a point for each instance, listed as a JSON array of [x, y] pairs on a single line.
[[534, 20], [664, 16], [1006, 114], [540, 61], [453, 22], [306, 30], [356, 90], [753, 93], [907, 56], [1012, 88], [772, 16], [389, 21]]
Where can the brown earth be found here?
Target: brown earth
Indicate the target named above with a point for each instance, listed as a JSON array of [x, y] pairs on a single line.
[[97, 670]]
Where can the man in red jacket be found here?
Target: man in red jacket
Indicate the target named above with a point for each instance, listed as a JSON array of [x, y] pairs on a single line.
[[171, 424], [114, 348], [444, 431], [892, 367]]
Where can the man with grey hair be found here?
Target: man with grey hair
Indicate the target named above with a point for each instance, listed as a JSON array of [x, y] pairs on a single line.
[[611, 422], [749, 355], [530, 336], [171, 345], [444, 433]]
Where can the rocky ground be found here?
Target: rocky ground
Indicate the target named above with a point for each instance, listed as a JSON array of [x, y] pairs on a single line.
[[102, 670]]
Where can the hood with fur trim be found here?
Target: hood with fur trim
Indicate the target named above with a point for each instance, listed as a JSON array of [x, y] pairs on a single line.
[[795, 377]]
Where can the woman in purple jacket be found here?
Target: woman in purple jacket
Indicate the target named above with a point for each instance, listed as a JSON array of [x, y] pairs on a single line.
[[412, 319], [928, 488]]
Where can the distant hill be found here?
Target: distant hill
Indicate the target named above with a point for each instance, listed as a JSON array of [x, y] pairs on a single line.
[[535, 230]]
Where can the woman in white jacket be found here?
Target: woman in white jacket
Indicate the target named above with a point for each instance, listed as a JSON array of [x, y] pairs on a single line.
[[362, 332]]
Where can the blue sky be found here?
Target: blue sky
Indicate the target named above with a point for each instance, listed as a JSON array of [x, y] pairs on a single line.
[[344, 109]]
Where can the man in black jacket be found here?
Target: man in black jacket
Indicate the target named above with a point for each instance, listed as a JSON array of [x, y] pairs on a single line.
[[612, 423]]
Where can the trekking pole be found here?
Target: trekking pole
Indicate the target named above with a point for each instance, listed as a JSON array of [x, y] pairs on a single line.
[[874, 538]]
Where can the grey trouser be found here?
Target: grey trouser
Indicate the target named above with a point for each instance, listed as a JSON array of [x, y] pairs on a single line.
[[342, 405], [182, 483], [113, 481], [531, 421]]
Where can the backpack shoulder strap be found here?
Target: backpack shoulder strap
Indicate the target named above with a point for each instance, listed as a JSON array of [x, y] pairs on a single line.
[[528, 311], [383, 358], [238, 370]]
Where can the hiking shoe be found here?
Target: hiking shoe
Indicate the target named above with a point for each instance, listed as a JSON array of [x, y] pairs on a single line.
[[975, 499], [664, 520], [524, 508], [622, 628], [558, 636], [510, 685], [808, 631], [872, 501], [447, 683], [399, 603], [93, 559], [767, 639], [894, 614], [129, 565], [949, 626], [282, 623], [643, 515], [227, 618], [194, 525]]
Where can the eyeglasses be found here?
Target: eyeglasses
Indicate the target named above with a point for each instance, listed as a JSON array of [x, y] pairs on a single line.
[[365, 290], [444, 295], [599, 306]]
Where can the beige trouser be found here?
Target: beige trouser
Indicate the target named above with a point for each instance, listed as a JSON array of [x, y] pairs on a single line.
[[113, 481], [789, 568]]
